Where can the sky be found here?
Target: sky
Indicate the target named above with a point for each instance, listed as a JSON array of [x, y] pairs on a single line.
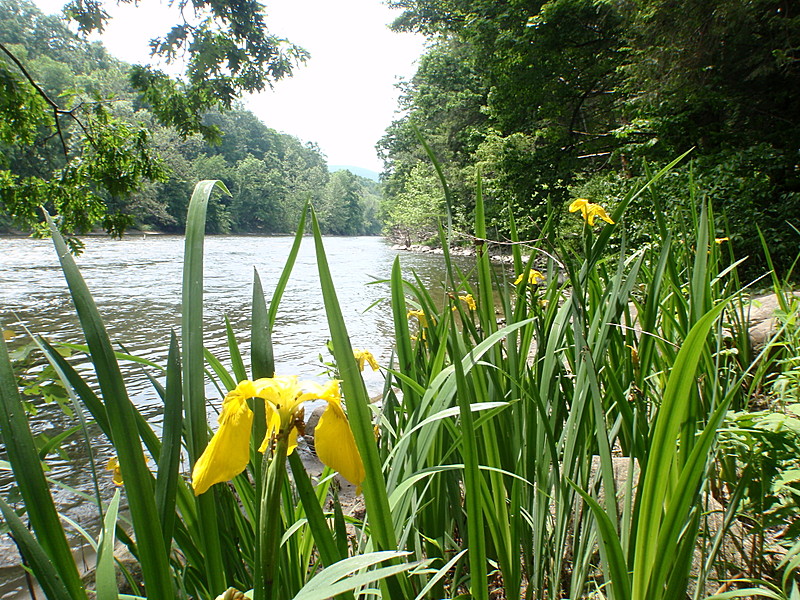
[[343, 99]]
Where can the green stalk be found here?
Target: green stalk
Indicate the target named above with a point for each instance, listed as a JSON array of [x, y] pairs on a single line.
[[193, 381], [269, 525], [479, 585]]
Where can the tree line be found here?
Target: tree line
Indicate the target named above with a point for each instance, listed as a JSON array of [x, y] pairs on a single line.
[[101, 142], [550, 101]]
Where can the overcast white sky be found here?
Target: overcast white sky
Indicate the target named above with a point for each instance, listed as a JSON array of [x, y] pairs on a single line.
[[343, 98]]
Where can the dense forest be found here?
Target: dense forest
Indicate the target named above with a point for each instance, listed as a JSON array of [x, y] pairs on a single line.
[[555, 100], [270, 175], [545, 101]]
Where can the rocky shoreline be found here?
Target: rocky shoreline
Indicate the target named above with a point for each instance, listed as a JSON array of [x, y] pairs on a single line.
[[494, 256]]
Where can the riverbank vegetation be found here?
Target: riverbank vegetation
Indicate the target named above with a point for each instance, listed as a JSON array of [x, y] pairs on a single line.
[[575, 98], [598, 427], [104, 154], [597, 424]]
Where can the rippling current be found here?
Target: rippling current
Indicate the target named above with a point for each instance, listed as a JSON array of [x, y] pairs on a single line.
[[136, 283]]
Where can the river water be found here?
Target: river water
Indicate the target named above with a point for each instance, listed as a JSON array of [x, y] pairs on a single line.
[[136, 283]]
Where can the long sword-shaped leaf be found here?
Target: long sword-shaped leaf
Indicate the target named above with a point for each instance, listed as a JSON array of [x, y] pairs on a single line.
[[121, 414], [339, 577], [37, 558], [287, 268], [169, 460], [671, 416], [24, 459], [359, 412], [193, 379], [611, 549], [329, 551], [473, 481], [262, 356], [105, 576]]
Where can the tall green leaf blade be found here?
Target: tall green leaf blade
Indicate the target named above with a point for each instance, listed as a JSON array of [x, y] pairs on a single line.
[[105, 575], [405, 353], [328, 549], [41, 566], [262, 356], [280, 287], [485, 291], [28, 474], [193, 374], [671, 415], [169, 460], [121, 414], [237, 364], [473, 481], [681, 504], [192, 319], [339, 577], [612, 554], [359, 412]]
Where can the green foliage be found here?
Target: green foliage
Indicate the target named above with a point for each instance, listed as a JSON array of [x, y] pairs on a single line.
[[513, 425], [350, 205], [414, 214], [80, 140], [577, 94], [68, 139]]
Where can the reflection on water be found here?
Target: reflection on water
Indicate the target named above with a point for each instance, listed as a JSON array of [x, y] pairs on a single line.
[[136, 283]]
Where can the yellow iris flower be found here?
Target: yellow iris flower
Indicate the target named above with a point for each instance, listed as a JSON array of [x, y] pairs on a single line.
[[534, 277], [469, 301], [590, 211], [113, 466], [228, 452], [364, 357], [419, 315]]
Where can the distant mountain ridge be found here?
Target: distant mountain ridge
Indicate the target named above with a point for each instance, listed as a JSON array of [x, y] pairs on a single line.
[[360, 171]]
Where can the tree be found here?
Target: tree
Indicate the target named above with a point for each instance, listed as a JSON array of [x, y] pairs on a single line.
[[578, 95], [101, 157], [413, 214], [541, 78], [258, 194], [341, 212]]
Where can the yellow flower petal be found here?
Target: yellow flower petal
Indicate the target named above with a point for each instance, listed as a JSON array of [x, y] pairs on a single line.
[[113, 465], [420, 316], [595, 210], [228, 451], [364, 357], [336, 446], [534, 277], [578, 204], [273, 427], [469, 301], [590, 211]]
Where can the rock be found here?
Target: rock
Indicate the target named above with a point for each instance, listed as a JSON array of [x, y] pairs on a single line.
[[762, 315]]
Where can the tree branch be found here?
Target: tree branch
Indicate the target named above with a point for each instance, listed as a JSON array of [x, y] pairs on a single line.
[[57, 110]]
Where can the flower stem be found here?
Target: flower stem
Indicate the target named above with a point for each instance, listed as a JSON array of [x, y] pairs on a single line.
[[269, 534]]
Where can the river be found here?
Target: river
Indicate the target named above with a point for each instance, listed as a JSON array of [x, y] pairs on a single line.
[[136, 283]]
